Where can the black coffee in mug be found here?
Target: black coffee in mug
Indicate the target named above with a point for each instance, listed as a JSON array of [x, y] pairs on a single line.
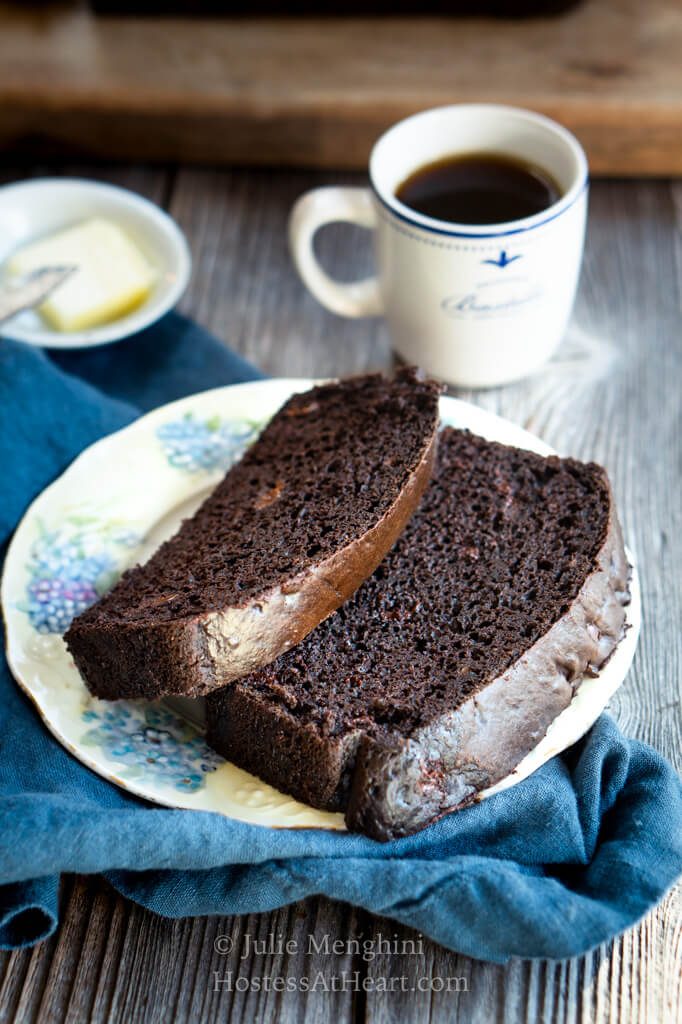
[[479, 188]]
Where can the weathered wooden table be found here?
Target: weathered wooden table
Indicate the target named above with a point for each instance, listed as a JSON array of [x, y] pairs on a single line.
[[613, 393]]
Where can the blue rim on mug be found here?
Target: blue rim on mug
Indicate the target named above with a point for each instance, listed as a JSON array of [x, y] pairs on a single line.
[[404, 213]]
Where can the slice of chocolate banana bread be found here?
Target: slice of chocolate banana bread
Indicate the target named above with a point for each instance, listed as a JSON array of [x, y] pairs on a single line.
[[447, 666], [290, 533]]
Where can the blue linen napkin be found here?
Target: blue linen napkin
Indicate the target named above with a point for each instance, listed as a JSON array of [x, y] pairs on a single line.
[[550, 868]]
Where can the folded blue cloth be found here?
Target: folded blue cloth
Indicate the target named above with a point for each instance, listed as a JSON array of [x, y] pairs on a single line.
[[550, 868]]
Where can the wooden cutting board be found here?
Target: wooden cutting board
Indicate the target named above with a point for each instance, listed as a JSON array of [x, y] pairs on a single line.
[[318, 91]]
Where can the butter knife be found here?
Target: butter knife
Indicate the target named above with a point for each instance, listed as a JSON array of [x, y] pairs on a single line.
[[29, 290]]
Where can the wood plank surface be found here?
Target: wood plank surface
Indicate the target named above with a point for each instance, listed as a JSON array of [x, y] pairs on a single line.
[[612, 393], [303, 91]]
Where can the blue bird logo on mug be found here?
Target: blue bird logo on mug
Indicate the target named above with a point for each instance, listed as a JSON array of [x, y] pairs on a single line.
[[503, 260]]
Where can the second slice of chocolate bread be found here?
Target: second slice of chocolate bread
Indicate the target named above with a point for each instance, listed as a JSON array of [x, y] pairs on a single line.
[[448, 665], [290, 533]]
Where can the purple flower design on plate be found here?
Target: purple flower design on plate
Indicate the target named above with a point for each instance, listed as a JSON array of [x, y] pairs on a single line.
[[69, 568]]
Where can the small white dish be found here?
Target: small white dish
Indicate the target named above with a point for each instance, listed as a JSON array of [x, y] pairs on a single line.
[[112, 508], [34, 209]]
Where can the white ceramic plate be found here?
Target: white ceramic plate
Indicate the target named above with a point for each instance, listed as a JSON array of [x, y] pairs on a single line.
[[112, 508], [34, 209]]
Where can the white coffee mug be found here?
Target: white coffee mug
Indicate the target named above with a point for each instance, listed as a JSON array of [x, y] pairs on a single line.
[[474, 305]]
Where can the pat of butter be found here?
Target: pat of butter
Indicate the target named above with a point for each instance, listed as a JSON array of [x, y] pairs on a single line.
[[113, 277]]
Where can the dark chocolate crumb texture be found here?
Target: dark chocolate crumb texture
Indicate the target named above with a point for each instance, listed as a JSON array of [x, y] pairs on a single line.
[[448, 665], [290, 533]]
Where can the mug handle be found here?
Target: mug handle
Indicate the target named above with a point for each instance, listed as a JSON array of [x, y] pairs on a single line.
[[325, 206]]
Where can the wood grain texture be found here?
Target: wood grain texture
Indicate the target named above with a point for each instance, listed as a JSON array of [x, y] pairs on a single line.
[[318, 91], [244, 285], [613, 393]]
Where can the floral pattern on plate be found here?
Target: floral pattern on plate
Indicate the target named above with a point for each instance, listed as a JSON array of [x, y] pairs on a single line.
[[195, 445], [70, 566], [151, 742]]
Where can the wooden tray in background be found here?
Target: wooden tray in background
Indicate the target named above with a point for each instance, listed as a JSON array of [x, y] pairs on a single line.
[[317, 91]]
